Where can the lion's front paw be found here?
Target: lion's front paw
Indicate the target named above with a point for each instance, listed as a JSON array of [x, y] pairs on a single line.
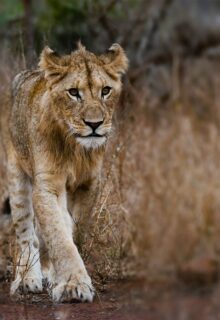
[[74, 289], [26, 284], [27, 280], [28, 274]]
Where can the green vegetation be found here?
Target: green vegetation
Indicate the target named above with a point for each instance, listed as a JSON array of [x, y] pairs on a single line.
[[27, 25]]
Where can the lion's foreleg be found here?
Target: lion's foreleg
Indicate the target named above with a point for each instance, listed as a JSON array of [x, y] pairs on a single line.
[[72, 280]]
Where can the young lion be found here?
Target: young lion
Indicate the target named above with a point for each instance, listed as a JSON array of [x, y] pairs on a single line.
[[60, 121]]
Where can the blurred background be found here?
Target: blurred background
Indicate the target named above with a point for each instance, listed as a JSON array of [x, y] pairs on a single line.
[[158, 215]]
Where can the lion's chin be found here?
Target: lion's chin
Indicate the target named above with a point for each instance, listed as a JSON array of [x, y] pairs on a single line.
[[91, 142]]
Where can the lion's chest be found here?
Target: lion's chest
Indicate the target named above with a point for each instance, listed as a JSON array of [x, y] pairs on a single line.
[[80, 173], [74, 181]]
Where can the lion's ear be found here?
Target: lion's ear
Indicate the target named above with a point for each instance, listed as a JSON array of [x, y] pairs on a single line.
[[115, 59], [52, 64]]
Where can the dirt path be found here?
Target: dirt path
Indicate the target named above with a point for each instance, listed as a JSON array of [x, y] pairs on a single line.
[[122, 301]]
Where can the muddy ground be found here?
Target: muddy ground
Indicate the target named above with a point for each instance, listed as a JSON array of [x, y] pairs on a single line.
[[169, 300]]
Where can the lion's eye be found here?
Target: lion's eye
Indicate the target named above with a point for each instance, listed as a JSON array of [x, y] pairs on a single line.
[[74, 93], [106, 91]]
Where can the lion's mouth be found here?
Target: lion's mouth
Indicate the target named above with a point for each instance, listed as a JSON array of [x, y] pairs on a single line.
[[92, 135]]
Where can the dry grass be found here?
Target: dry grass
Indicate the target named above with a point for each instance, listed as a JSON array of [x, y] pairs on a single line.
[[175, 192]]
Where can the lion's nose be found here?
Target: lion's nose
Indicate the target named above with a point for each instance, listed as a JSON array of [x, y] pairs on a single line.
[[93, 125]]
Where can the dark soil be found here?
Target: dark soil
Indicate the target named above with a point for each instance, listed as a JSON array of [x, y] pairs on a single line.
[[121, 301]]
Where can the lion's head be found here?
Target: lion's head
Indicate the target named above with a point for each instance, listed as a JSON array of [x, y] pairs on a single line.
[[83, 89]]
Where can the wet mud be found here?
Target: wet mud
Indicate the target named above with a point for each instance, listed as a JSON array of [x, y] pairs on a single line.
[[124, 300]]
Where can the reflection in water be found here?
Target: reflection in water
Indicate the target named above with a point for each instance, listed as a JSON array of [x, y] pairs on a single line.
[[122, 301]]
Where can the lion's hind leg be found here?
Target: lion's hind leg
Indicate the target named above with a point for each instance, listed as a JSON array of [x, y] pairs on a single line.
[[28, 276]]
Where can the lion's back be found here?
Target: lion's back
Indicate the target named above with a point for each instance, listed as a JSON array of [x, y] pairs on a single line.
[[24, 81], [27, 86], [18, 80]]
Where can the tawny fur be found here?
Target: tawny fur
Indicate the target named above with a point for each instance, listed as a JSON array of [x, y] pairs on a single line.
[[54, 162]]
